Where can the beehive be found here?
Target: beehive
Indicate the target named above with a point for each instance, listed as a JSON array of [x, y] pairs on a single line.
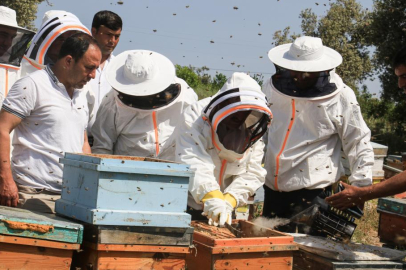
[[256, 248], [392, 221], [30, 240], [122, 190]]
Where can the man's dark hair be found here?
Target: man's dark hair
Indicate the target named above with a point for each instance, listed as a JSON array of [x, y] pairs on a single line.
[[400, 58], [107, 18], [77, 45]]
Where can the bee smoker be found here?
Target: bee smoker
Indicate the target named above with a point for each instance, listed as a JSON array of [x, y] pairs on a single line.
[[327, 221]]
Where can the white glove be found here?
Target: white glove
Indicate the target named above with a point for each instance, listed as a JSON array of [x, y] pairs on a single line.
[[229, 211], [216, 211]]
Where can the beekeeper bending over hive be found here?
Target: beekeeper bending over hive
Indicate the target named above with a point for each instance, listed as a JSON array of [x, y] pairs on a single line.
[[221, 139]]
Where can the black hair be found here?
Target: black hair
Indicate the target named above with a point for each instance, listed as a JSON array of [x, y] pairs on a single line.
[[107, 18], [400, 58], [77, 45]]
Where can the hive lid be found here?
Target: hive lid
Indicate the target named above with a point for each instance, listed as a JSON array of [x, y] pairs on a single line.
[[126, 164], [392, 205], [25, 223]]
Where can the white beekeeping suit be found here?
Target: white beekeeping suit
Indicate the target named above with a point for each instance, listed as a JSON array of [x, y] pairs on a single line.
[[54, 24], [14, 41], [221, 139], [138, 117], [316, 115]]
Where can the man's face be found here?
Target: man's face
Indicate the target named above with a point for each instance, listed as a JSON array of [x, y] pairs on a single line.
[[400, 72], [107, 38], [304, 80], [7, 34], [84, 69], [55, 47]]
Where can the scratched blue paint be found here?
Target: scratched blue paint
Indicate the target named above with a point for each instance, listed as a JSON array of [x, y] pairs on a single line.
[[105, 191], [392, 205], [63, 230]]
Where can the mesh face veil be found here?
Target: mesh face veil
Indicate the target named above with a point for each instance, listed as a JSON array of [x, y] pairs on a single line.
[[13, 44], [239, 118], [303, 84], [151, 102]]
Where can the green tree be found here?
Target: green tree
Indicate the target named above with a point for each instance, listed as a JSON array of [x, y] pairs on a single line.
[[26, 11], [188, 74], [218, 81], [387, 33], [341, 29]]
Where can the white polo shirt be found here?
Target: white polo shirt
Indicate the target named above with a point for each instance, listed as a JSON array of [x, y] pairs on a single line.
[[52, 124], [100, 88]]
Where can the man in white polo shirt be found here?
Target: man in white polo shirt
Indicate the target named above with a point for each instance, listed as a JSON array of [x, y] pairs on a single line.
[[49, 114], [106, 29]]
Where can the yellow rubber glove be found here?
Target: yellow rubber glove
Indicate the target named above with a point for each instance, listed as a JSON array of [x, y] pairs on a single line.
[[214, 207], [230, 198], [213, 194]]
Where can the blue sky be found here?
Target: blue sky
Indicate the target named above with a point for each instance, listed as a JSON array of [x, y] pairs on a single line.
[[198, 33]]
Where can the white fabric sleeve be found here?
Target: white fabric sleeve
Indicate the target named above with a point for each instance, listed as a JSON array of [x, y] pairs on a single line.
[[355, 137], [246, 184], [104, 128], [21, 98], [191, 148]]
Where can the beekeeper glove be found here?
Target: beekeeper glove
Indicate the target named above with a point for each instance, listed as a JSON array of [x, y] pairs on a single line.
[[231, 203], [215, 208]]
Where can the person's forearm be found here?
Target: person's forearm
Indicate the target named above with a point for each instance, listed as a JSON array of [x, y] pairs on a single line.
[[389, 187], [5, 166]]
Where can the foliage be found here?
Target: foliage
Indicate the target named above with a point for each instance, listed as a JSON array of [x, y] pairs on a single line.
[[340, 29], [26, 11], [203, 83]]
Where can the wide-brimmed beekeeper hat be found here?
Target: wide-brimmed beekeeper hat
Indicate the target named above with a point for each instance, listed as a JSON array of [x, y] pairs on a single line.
[[8, 18], [140, 73], [305, 54]]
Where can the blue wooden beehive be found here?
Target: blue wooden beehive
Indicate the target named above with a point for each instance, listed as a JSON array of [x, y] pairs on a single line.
[[122, 190]]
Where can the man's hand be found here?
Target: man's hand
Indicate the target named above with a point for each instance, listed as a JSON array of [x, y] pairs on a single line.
[[216, 211], [349, 197], [8, 192]]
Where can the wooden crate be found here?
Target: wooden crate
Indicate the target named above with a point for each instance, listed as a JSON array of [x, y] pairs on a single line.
[[303, 260], [30, 240], [258, 248], [392, 221], [131, 257], [123, 190]]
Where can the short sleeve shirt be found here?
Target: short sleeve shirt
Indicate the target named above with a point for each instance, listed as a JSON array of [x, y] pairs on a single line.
[[52, 124]]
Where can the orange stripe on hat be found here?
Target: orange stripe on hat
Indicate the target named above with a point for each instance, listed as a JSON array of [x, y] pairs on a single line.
[[229, 111], [52, 38]]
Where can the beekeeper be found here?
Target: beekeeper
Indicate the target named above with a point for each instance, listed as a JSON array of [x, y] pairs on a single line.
[[221, 139], [56, 27], [139, 116], [13, 43], [316, 115]]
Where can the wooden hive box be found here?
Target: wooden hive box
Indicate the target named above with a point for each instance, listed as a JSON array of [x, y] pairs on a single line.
[[118, 247], [30, 240], [126, 191], [257, 248], [392, 221]]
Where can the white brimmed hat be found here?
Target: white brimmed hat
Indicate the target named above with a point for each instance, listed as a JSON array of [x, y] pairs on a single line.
[[8, 18], [305, 54], [140, 73]]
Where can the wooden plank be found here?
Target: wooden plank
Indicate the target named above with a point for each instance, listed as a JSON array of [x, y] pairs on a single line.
[[256, 248], [138, 248], [139, 235], [37, 242], [14, 256], [25, 223], [392, 228], [392, 205], [254, 261]]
